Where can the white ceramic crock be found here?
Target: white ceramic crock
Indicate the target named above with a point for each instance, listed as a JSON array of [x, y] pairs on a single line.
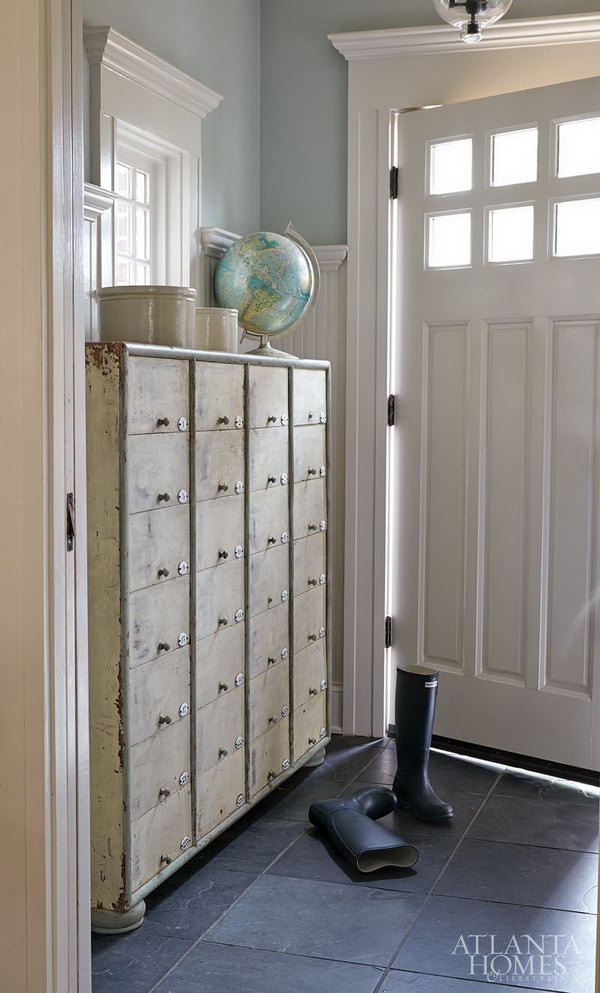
[[150, 315], [217, 329]]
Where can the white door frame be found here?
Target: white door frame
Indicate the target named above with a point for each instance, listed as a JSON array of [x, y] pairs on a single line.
[[395, 70]]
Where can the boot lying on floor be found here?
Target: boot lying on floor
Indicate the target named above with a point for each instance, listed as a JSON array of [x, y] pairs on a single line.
[[416, 691], [350, 824]]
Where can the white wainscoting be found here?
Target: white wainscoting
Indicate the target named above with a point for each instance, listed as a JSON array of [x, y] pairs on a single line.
[[321, 336]]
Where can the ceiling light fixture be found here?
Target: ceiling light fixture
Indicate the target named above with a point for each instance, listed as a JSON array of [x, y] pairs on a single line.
[[471, 16]]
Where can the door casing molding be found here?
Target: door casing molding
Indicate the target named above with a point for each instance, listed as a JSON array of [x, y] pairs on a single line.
[[383, 79]]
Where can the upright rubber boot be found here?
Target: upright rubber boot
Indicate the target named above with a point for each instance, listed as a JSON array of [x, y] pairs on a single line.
[[350, 824], [416, 692]]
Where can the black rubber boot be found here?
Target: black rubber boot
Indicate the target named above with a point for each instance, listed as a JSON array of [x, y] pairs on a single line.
[[416, 691], [350, 823]]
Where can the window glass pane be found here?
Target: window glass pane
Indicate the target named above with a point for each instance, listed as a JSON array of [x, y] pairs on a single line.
[[451, 166], [123, 179], [142, 273], [449, 240], [123, 269], [577, 227], [141, 186], [123, 228], [510, 236], [579, 147], [515, 157], [142, 233]]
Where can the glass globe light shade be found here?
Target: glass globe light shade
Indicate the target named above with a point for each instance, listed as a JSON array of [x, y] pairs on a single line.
[[471, 16]]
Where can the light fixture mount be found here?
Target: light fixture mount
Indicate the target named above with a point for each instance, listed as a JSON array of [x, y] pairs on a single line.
[[471, 16]]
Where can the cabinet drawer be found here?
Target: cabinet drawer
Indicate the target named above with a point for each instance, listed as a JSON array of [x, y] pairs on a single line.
[[269, 519], [159, 767], [159, 546], [268, 400], [159, 620], [310, 454], [269, 639], [310, 396], [156, 471], [219, 464], [160, 836], [269, 756], [310, 508], [269, 699], [310, 672], [219, 730], [219, 598], [220, 792], [219, 664], [310, 724], [219, 531], [219, 396], [157, 396], [310, 558], [310, 613], [269, 579], [159, 695], [269, 458]]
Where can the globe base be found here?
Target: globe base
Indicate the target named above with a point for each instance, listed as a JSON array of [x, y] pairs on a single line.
[[266, 348]]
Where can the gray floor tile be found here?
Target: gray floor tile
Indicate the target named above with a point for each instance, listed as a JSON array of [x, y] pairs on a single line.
[[212, 968], [536, 788], [433, 946], [446, 772], [413, 982], [291, 801], [249, 846], [314, 857], [466, 806], [339, 922], [134, 962], [522, 874], [187, 904], [571, 826]]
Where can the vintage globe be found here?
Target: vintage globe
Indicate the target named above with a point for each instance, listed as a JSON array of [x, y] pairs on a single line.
[[270, 279]]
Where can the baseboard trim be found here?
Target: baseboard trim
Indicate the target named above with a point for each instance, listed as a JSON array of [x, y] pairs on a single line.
[[513, 759]]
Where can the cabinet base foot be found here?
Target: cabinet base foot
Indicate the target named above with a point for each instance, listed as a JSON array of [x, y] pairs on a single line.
[[317, 759], [113, 922]]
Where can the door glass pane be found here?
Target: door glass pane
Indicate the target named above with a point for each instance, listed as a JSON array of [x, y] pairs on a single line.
[[451, 166], [515, 157], [510, 235], [449, 240], [577, 227], [579, 147]]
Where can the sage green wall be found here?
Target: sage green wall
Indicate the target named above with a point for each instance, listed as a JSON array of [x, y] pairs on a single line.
[[218, 43], [304, 102]]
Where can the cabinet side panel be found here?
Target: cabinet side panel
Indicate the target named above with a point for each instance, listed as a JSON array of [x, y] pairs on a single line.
[[106, 692]]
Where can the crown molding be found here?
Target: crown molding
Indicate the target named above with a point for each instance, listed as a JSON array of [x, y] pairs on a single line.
[[111, 50], [96, 201], [439, 39], [330, 257]]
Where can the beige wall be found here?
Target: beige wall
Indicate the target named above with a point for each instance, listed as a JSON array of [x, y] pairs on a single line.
[[22, 416]]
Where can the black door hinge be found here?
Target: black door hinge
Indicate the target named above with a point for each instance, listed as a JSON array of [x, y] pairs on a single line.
[[388, 632], [391, 417], [70, 522], [394, 182]]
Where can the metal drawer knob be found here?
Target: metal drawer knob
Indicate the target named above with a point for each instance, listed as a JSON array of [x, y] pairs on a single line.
[[310, 415], [162, 422], [239, 679], [223, 621], [163, 572], [313, 582], [223, 487], [240, 800], [239, 421], [164, 719], [183, 568], [312, 472], [271, 479], [223, 420], [239, 742], [163, 791], [184, 709], [238, 551], [271, 540], [271, 776], [223, 752], [313, 692], [223, 687], [163, 497], [312, 741], [163, 646], [271, 660], [166, 859], [272, 720], [313, 527], [223, 554], [182, 424], [183, 496], [271, 419], [313, 637]]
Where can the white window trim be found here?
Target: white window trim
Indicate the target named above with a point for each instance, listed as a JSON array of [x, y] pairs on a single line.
[[134, 90]]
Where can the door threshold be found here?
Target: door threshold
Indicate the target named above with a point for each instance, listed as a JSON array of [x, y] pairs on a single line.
[[513, 759]]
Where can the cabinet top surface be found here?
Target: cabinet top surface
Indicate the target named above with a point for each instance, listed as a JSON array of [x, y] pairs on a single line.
[[234, 358]]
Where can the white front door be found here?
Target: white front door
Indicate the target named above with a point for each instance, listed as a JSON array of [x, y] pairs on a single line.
[[494, 461]]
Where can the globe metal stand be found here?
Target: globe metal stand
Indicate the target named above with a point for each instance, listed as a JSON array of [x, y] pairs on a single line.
[[265, 347]]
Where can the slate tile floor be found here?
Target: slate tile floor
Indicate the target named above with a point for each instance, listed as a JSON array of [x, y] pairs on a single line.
[[270, 907]]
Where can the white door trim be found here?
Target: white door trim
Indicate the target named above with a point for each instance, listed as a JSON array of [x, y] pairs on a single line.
[[377, 85]]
